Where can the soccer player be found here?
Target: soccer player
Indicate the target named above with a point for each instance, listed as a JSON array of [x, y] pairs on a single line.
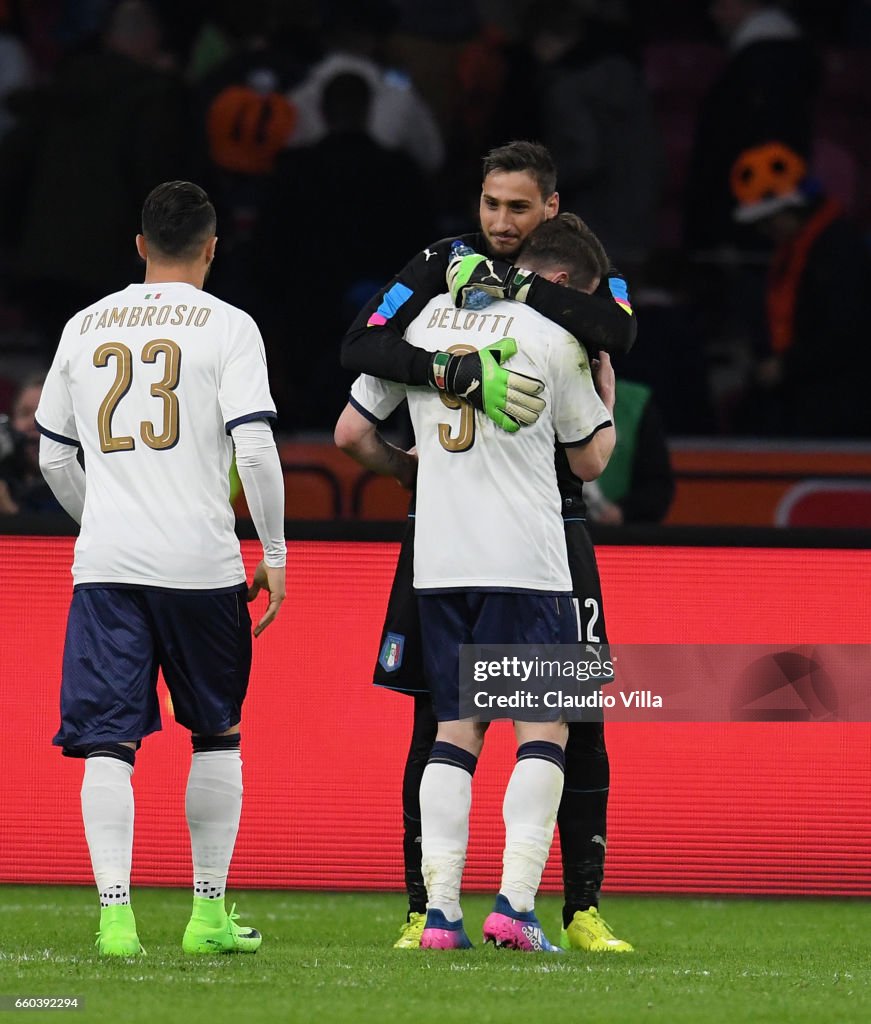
[[157, 384], [518, 193], [490, 566]]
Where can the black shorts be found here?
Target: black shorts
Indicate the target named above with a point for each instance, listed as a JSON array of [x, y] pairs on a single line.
[[400, 652]]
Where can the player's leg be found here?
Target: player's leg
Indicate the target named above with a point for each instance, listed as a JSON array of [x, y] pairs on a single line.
[[583, 809], [529, 811], [107, 704], [213, 807], [400, 667], [445, 804], [204, 647], [422, 739], [446, 786], [582, 817], [107, 814], [532, 795]]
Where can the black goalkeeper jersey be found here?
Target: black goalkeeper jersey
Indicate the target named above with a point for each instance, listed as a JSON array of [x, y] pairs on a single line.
[[375, 343]]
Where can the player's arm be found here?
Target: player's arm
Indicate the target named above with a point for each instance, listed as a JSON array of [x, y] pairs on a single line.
[[247, 407], [588, 461], [358, 436], [259, 470], [375, 344], [357, 432], [583, 410], [589, 457], [59, 441], [60, 467], [603, 320]]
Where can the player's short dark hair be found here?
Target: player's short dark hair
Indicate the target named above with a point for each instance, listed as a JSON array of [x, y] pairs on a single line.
[[178, 219], [522, 155], [565, 241]]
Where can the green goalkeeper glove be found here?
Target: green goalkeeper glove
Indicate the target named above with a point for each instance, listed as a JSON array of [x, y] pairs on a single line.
[[475, 272], [510, 399]]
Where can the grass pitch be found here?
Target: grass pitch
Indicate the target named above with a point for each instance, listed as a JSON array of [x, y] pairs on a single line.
[[327, 957]]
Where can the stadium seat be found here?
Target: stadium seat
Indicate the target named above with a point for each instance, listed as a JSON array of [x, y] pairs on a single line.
[[843, 503], [310, 492], [378, 497]]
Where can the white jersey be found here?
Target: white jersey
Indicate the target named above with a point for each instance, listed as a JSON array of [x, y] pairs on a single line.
[[150, 381], [488, 510]]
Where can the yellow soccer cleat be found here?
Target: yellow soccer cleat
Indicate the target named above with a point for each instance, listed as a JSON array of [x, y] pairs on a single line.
[[590, 932], [410, 932]]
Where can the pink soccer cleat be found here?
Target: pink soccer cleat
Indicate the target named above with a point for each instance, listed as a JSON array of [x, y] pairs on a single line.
[[440, 933], [508, 928]]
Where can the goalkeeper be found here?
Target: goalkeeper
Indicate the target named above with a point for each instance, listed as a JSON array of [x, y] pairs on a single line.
[[374, 343], [518, 193]]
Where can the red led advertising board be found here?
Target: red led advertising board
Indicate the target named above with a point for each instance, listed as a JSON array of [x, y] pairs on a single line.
[[779, 808]]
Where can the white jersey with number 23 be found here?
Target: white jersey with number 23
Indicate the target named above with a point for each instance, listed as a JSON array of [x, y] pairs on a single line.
[[149, 382]]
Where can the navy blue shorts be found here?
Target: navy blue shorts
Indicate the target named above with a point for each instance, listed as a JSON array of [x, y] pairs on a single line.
[[400, 655], [484, 617], [118, 637]]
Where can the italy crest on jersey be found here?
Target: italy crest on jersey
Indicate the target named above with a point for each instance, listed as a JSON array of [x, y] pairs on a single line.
[[390, 657]]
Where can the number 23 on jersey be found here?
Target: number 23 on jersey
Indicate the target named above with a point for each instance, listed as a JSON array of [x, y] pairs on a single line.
[[164, 389]]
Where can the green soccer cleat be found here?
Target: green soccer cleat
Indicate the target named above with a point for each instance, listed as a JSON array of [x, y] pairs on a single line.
[[410, 932], [212, 930], [117, 935], [588, 931]]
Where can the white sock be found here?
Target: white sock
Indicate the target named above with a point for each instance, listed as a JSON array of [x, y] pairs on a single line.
[[445, 802], [107, 811], [213, 805], [529, 810]]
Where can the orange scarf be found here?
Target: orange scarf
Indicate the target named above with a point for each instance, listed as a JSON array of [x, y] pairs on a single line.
[[785, 275]]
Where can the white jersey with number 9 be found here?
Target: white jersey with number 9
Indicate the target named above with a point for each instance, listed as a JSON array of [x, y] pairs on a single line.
[[488, 510]]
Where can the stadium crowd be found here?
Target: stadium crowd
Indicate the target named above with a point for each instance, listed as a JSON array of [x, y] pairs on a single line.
[[336, 138]]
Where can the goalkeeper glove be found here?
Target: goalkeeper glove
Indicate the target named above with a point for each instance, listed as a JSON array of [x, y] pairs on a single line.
[[475, 272], [509, 399]]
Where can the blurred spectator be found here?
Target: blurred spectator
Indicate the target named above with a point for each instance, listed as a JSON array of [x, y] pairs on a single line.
[[79, 162], [398, 117], [268, 50], [22, 487], [429, 41], [812, 381], [672, 356], [596, 118], [766, 90], [16, 71], [248, 121], [481, 72], [638, 483], [249, 124], [342, 216]]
